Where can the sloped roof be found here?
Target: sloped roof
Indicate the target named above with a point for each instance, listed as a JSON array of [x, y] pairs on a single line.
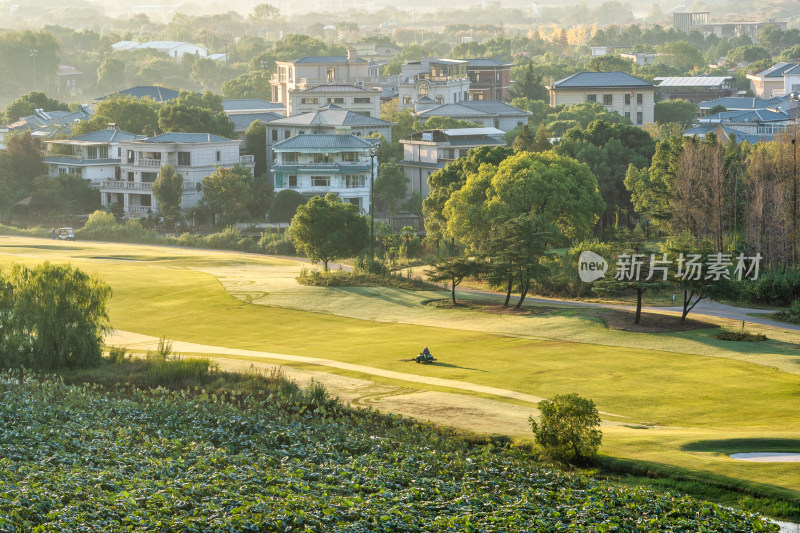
[[186, 138], [487, 62], [325, 140], [736, 103], [703, 130], [775, 71], [471, 108], [325, 59], [753, 115], [242, 121], [159, 94], [333, 87], [331, 116], [693, 81], [600, 80], [243, 104]]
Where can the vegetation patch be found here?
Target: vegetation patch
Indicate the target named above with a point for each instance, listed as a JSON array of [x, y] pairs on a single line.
[[238, 463], [740, 334], [341, 278]]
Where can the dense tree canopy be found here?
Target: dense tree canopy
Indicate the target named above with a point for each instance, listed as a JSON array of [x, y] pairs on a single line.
[[28, 103]]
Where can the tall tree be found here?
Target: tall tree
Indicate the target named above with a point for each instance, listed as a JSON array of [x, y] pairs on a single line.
[[192, 113], [390, 185], [454, 270], [168, 190], [255, 142], [263, 16], [226, 193], [28, 103], [134, 115], [326, 229]]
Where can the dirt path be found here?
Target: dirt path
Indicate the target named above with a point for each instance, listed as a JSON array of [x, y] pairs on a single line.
[[463, 411]]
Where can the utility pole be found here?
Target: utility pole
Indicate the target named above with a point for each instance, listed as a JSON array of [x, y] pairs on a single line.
[[34, 52], [794, 203]]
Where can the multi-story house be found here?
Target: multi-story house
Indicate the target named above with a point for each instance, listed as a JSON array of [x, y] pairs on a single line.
[[695, 88], [366, 101], [430, 82], [329, 120], [425, 152], [619, 92], [94, 156], [488, 113], [316, 164], [489, 79], [308, 72], [194, 156], [777, 80]]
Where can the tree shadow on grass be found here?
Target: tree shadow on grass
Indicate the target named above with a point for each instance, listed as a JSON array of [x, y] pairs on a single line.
[[42, 246], [728, 446]]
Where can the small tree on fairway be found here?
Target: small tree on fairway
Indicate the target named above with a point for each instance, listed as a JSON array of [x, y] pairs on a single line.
[[567, 428], [168, 190], [454, 270], [325, 229], [226, 192]]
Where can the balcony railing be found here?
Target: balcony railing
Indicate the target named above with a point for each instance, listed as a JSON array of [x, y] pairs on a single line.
[[245, 159], [128, 185], [140, 209], [335, 166], [146, 162]]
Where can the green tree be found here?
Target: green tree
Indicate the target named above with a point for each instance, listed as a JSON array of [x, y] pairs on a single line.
[[681, 55], [263, 16], [524, 141], [528, 84], [681, 111], [390, 185], [226, 194], [26, 104], [249, 85], [134, 115], [168, 190], [23, 161], [285, 205], [610, 64], [541, 142], [719, 108], [325, 229], [454, 270], [19, 52], [53, 316], [568, 427], [262, 194], [111, 74], [255, 143], [192, 113]]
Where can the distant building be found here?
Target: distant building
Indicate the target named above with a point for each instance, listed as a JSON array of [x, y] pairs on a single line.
[[243, 112], [688, 21], [194, 156], [488, 113], [489, 79], [429, 82], [619, 92], [640, 58], [94, 156], [69, 80], [352, 97], [50, 122], [751, 125], [174, 49], [748, 103], [695, 88], [308, 72], [378, 52], [425, 152], [316, 164]]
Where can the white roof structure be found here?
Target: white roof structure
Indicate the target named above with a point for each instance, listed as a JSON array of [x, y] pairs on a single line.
[[693, 81], [491, 132]]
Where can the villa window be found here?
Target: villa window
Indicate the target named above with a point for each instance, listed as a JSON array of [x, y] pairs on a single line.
[[627, 99], [290, 157], [309, 100], [331, 74], [130, 156], [149, 177], [354, 182], [362, 100], [638, 117], [422, 90], [275, 136], [335, 100], [639, 99], [293, 182], [219, 155], [323, 158], [349, 156], [591, 97], [439, 99], [406, 99], [608, 99], [320, 181], [184, 159]]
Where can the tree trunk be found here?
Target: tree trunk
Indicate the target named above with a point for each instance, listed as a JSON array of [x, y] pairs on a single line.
[[639, 292], [508, 291], [523, 294], [453, 291], [686, 298], [325, 265]]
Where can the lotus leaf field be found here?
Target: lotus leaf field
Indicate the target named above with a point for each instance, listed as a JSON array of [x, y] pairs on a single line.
[[76, 458]]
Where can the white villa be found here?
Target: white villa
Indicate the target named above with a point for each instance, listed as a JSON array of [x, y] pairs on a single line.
[[430, 82], [95, 156], [316, 164], [194, 155]]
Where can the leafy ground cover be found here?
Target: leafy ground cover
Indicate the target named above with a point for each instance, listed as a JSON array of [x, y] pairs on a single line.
[[76, 458], [319, 278]]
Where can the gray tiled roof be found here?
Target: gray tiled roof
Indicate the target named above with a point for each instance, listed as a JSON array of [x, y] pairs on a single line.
[[471, 108], [107, 135], [186, 138], [736, 102], [244, 104], [334, 141], [325, 59], [242, 121], [487, 62], [727, 132], [600, 80], [333, 116], [776, 71], [159, 94]]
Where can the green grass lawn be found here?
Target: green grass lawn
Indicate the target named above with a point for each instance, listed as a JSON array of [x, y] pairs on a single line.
[[679, 393]]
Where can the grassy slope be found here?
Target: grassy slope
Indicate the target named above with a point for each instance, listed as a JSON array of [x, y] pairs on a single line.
[[690, 398]]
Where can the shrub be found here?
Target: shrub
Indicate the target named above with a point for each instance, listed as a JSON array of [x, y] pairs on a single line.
[[567, 428], [276, 243], [52, 316]]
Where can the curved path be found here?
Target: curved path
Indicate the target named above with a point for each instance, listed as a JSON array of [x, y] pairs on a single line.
[[145, 342]]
